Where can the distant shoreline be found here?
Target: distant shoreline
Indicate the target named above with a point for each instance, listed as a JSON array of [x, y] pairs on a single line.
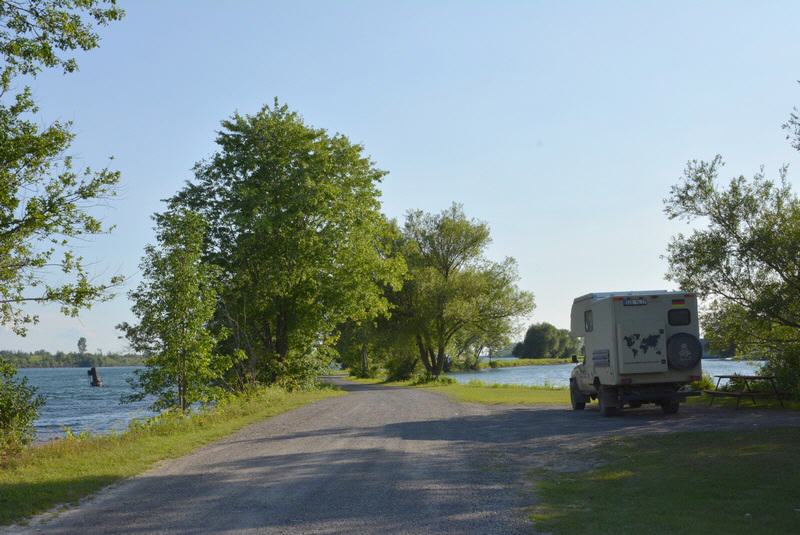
[[77, 367]]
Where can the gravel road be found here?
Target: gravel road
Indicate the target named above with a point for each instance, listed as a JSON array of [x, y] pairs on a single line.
[[379, 460]]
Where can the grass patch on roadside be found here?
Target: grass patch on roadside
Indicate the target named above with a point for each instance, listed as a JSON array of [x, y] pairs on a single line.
[[63, 471], [698, 482], [491, 394], [746, 403], [522, 362]]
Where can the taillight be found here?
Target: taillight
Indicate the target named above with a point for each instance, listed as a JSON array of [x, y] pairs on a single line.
[[626, 380]]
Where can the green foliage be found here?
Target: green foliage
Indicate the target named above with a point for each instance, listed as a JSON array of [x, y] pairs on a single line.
[[19, 406], [45, 359], [44, 200], [81, 345], [33, 33], [705, 383], [402, 366], [745, 257], [297, 234], [174, 304], [543, 340], [455, 300]]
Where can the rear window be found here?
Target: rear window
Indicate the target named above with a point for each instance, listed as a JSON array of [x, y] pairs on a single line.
[[679, 316], [588, 323]]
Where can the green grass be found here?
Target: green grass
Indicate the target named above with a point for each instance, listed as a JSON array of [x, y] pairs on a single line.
[[522, 362], [746, 403], [491, 394], [63, 471], [477, 392], [702, 482]]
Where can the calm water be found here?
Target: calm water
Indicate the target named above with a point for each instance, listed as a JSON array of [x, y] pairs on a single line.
[[71, 402], [558, 374]]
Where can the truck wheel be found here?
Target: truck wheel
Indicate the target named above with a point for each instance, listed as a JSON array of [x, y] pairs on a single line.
[[670, 406], [607, 396], [577, 400]]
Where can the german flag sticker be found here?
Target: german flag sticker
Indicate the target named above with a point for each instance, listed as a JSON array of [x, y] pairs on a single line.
[[678, 302]]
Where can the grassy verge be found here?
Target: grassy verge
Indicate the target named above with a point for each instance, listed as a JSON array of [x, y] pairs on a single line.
[[477, 392], [492, 394], [746, 403], [521, 362], [64, 471], [701, 482]]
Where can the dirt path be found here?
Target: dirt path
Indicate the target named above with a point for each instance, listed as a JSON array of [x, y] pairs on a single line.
[[380, 460]]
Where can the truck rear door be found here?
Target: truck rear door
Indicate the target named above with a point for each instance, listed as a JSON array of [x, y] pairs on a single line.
[[641, 342]]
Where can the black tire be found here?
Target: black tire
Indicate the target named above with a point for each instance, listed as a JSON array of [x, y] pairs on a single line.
[[604, 396], [577, 400], [670, 406], [684, 351], [635, 404]]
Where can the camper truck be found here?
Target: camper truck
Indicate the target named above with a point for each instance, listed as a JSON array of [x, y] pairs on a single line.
[[638, 347]]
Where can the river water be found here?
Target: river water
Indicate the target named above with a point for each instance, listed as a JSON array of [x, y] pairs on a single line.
[[71, 402], [558, 374]]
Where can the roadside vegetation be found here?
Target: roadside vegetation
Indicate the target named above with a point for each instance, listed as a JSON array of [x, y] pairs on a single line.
[[700, 482], [65, 470]]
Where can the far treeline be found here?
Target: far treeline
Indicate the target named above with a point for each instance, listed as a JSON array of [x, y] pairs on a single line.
[[60, 359], [543, 340]]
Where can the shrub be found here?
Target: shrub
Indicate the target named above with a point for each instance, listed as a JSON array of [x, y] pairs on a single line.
[[785, 367], [705, 383], [19, 407], [401, 368], [493, 364]]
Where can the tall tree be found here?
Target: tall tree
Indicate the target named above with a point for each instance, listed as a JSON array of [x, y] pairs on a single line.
[[174, 304], [82, 345], [44, 200], [744, 257], [453, 287], [296, 230]]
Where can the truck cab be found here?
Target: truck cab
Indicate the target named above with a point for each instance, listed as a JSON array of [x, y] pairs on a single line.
[[638, 347]]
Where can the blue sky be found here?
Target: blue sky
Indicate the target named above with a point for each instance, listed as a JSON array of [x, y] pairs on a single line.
[[561, 124]]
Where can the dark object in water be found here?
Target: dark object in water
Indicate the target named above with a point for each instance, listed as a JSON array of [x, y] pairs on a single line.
[[94, 377]]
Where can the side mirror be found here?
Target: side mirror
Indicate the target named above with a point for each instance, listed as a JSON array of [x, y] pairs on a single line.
[[574, 359]]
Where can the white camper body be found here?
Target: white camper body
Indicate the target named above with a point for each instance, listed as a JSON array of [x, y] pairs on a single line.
[[638, 347]]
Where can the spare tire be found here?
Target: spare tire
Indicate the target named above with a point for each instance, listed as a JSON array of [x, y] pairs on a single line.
[[683, 351]]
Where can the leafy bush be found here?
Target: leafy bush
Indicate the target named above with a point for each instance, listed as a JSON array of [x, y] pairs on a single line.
[[785, 366], [493, 364], [19, 406], [401, 368], [705, 383]]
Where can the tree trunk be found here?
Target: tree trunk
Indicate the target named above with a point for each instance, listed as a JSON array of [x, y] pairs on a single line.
[[364, 361], [282, 337], [423, 355], [440, 358]]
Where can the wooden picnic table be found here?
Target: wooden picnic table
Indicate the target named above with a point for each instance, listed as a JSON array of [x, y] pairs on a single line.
[[745, 390]]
